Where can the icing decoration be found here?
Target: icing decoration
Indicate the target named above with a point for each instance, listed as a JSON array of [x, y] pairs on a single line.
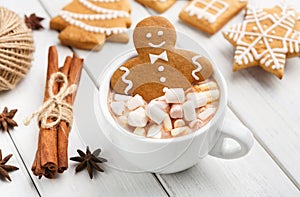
[[157, 45], [274, 57], [160, 33], [199, 67], [162, 79], [162, 56], [210, 11], [126, 81], [74, 18], [161, 68], [98, 9], [148, 35]]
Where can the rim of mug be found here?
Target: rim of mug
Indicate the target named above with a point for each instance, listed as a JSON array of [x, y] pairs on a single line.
[[104, 107]]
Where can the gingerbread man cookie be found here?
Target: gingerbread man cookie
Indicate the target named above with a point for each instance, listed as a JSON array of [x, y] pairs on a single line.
[[158, 64], [266, 38], [211, 15], [157, 5], [87, 24]]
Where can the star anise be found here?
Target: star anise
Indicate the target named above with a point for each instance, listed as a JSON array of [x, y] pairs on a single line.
[[6, 119], [5, 169], [33, 22], [89, 161]]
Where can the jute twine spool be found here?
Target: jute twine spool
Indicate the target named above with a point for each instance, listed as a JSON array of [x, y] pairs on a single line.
[[16, 48]]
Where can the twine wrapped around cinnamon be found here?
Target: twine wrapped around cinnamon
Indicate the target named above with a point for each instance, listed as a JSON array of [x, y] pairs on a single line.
[[16, 48], [55, 116]]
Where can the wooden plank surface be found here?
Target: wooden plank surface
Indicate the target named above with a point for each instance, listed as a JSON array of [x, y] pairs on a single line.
[[28, 97], [20, 179], [268, 106]]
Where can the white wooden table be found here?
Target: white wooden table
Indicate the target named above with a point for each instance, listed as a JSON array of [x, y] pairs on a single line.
[[269, 107]]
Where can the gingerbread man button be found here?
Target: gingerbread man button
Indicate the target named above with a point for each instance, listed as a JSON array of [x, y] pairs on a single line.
[[159, 64]]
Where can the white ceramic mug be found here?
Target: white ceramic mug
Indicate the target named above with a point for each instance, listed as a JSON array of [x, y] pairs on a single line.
[[176, 154]]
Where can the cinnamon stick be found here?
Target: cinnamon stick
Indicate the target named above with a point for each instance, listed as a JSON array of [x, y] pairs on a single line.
[[73, 71], [46, 156]]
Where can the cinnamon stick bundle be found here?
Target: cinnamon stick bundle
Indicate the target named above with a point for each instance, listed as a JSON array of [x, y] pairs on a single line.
[[52, 152]]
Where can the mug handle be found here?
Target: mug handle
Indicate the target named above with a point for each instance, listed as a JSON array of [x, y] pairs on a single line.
[[235, 130]]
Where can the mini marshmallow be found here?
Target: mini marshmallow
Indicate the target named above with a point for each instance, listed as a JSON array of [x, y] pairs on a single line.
[[199, 99], [207, 113], [162, 104], [137, 118], [206, 86], [212, 95], [189, 112], [135, 102], [167, 124], [155, 131], [123, 121], [179, 131], [196, 124], [155, 113], [121, 97], [176, 111], [161, 98], [140, 131], [174, 95], [179, 123], [118, 107]]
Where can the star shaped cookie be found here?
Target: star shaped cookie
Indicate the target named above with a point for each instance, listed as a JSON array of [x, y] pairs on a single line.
[[265, 38]]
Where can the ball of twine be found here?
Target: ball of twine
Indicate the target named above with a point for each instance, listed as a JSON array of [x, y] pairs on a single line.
[[16, 48]]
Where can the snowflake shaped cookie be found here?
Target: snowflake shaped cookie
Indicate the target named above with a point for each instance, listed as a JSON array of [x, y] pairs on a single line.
[[266, 38]]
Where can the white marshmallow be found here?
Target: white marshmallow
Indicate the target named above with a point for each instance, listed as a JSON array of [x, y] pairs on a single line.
[[175, 95], [199, 99], [207, 113], [118, 107], [140, 131], [155, 113], [196, 124], [137, 118], [179, 123], [135, 102], [212, 95], [167, 124], [207, 86], [161, 98], [189, 112], [123, 121], [176, 111], [179, 131], [121, 97], [155, 131], [162, 104]]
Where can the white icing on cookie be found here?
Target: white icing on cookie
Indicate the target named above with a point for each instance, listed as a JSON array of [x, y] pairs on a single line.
[[199, 67], [157, 45], [89, 16], [86, 27], [274, 57], [162, 56], [148, 35], [161, 68], [163, 79], [126, 81], [74, 18], [160, 33], [205, 12], [99, 9]]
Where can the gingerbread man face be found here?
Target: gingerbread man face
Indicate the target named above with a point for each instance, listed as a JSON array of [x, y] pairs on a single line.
[[154, 34]]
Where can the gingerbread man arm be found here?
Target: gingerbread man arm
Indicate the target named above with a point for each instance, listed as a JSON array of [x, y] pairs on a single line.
[[202, 68]]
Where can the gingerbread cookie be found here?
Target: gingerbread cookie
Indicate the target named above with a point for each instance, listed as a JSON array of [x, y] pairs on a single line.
[[87, 24], [159, 64], [157, 5], [211, 15], [266, 38]]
